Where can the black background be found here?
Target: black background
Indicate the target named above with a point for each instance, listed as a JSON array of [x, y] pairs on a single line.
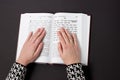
[[104, 37]]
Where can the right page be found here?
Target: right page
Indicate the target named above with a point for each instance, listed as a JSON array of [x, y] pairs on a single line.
[[85, 39], [76, 23]]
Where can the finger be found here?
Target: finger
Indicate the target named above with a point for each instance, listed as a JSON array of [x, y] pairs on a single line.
[[40, 38], [38, 50], [75, 39], [65, 37], [29, 36], [69, 36], [37, 34], [61, 39], [42, 35], [60, 49]]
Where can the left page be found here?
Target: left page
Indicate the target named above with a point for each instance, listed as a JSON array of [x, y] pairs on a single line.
[[31, 22]]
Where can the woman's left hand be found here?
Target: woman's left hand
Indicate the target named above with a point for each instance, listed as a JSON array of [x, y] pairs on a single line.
[[32, 47]]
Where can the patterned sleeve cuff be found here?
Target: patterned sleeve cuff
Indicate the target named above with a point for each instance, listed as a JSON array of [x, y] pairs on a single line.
[[17, 72], [75, 72]]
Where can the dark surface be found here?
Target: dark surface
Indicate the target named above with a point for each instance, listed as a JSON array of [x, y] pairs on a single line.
[[104, 39]]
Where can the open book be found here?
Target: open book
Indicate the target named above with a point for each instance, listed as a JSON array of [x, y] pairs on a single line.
[[78, 23]]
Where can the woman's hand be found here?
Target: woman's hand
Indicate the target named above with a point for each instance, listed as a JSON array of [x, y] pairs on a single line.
[[32, 47], [68, 47]]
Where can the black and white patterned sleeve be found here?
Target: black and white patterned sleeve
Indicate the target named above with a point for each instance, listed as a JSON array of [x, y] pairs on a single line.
[[17, 72], [75, 72]]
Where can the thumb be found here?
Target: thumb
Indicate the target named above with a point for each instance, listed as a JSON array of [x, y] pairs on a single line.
[[60, 49]]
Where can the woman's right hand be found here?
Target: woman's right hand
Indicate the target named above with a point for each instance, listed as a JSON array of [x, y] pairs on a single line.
[[68, 47]]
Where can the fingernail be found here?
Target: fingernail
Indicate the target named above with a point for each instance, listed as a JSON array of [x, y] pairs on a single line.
[[61, 28], [39, 29], [58, 32], [42, 28]]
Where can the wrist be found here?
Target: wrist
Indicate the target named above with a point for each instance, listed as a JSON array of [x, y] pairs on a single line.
[[73, 62], [22, 62]]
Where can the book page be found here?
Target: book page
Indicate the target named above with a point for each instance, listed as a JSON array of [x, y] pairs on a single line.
[[69, 21], [31, 22], [85, 39]]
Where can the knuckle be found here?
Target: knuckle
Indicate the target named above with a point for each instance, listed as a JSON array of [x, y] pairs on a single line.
[[33, 46], [65, 46]]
